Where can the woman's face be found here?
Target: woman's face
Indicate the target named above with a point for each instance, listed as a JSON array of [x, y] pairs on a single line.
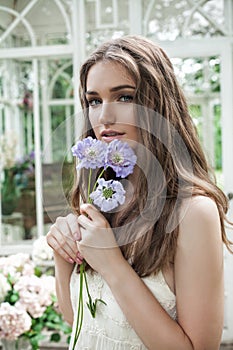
[[110, 94]]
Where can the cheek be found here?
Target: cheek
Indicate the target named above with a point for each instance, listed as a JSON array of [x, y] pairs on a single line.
[[93, 118], [135, 133], [95, 126]]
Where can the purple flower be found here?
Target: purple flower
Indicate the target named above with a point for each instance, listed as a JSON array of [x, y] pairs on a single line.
[[108, 195], [90, 152], [121, 158]]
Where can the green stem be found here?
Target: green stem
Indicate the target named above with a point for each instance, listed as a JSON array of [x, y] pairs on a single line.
[[101, 173], [89, 186], [90, 304], [85, 280], [80, 308]]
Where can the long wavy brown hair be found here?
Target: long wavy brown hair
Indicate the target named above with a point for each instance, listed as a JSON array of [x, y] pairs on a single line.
[[147, 229]]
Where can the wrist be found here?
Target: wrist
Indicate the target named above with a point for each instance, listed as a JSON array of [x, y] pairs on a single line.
[[114, 271], [60, 262]]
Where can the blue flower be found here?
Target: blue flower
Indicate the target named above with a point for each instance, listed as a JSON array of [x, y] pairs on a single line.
[[121, 158], [108, 195], [90, 152]]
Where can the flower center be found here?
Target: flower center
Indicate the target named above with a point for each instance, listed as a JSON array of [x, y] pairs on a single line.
[[108, 192], [117, 158], [91, 152]]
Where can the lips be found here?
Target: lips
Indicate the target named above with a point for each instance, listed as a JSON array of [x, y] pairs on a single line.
[[109, 135]]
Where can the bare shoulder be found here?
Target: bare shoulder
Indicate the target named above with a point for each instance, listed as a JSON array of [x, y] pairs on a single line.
[[199, 224], [199, 212], [201, 206]]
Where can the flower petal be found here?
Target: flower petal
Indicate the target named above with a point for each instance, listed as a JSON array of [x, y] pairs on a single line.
[[121, 158], [90, 152], [107, 204]]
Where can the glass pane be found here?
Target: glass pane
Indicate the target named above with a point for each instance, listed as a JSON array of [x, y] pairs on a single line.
[[97, 34], [171, 19], [58, 171], [200, 79], [106, 12], [198, 75], [42, 24]]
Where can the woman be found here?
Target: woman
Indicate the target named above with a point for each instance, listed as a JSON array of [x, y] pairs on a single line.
[[158, 261]]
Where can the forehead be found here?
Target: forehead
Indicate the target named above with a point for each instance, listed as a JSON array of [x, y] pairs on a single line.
[[108, 73]]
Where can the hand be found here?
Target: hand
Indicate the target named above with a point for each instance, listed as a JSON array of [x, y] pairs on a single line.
[[62, 238], [98, 245]]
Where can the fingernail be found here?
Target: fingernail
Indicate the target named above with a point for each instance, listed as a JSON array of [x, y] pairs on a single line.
[[79, 256], [76, 236], [71, 260], [78, 261]]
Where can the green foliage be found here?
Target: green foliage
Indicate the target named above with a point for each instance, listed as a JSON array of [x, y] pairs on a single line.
[[217, 137], [195, 111], [53, 321], [12, 296], [50, 321]]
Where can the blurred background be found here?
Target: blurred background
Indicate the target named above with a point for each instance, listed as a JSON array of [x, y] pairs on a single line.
[[42, 45]]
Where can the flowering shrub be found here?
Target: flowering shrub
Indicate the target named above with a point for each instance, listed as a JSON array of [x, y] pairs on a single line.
[[28, 302], [8, 149], [8, 144], [16, 172]]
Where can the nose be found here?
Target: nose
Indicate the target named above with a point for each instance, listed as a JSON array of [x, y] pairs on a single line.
[[107, 114]]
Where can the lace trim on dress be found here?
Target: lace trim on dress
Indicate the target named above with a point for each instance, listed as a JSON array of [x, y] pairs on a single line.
[[93, 339]]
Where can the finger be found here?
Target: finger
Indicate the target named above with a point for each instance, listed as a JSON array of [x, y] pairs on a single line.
[[64, 244], [79, 247], [62, 235], [72, 221], [79, 258], [62, 225], [89, 210], [61, 244], [54, 244], [91, 217], [85, 222]]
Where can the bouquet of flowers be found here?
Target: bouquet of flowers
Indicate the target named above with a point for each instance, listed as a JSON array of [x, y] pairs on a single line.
[[105, 194], [28, 303]]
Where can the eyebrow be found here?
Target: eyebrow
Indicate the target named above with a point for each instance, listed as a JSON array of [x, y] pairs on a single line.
[[113, 89]]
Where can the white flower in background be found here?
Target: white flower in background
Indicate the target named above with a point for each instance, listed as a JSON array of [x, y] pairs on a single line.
[[8, 144], [4, 287], [17, 265], [49, 285], [41, 251]]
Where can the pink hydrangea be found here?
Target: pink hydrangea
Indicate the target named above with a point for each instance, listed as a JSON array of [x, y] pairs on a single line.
[[34, 294], [17, 265], [4, 287], [13, 321]]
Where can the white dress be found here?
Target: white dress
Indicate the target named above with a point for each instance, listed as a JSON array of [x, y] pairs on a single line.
[[110, 330]]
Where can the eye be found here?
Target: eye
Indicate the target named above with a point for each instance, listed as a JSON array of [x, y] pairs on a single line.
[[94, 102], [126, 98]]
